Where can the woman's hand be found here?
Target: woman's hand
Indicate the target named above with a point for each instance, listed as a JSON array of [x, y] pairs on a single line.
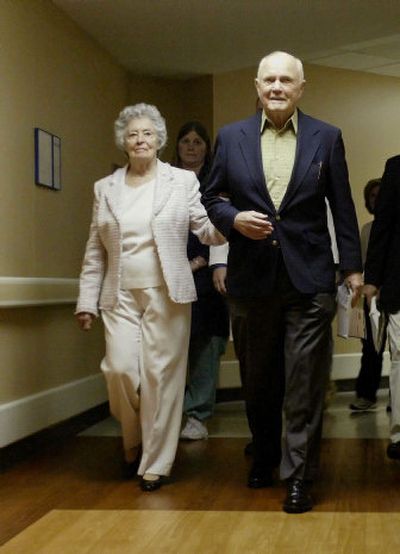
[[354, 282], [85, 320], [197, 263], [219, 279], [369, 291]]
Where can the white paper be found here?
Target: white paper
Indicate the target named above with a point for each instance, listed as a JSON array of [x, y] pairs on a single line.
[[344, 296], [378, 324], [350, 320]]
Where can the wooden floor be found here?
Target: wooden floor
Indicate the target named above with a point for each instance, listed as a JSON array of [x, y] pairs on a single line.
[[76, 482], [186, 532]]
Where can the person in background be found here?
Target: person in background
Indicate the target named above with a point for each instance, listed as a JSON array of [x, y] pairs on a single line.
[[277, 168], [218, 264], [136, 272], [369, 377], [210, 320], [382, 278]]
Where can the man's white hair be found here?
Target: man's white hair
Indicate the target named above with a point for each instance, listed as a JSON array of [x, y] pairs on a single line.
[[299, 64]]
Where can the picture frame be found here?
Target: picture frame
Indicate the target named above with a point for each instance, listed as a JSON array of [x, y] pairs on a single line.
[[47, 159]]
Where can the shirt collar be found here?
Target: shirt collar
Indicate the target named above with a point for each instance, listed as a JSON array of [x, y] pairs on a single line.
[[293, 122]]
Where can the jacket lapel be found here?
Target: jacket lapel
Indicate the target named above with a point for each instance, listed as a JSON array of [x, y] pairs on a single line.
[[250, 146], [307, 145], [162, 191], [163, 187], [113, 193]]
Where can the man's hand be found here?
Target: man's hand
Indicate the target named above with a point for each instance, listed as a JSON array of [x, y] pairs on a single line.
[[354, 282], [253, 225], [369, 291], [85, 320], [219, 277]]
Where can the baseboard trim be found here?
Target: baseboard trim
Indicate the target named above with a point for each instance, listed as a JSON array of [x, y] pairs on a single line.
[[32, 414], [20, 450], [344, 366], [26, 416], [347, 366]]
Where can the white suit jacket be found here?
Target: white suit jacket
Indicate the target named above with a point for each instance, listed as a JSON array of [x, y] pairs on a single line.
[[176, 210]]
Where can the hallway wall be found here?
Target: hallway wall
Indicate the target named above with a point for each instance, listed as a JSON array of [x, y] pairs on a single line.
[[55, 77]]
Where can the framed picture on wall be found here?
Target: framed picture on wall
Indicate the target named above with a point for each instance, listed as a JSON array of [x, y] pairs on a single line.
[[47, 159]]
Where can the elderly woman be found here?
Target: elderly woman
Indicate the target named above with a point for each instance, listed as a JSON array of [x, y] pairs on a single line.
[[136, 272]]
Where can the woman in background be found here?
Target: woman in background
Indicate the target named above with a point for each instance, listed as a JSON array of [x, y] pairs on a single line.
[[136, 272], [210, 320]]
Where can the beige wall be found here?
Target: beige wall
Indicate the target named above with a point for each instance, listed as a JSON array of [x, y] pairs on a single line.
[[363, 105], [42, 348], [178, 101], [54, 77]]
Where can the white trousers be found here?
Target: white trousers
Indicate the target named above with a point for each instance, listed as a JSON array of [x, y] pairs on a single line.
[[393, 332], [147, 340]]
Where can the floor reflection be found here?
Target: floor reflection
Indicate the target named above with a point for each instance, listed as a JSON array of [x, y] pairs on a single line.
[[339, 422]]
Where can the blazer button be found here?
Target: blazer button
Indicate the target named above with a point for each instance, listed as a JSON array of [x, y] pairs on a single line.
[[275, 243]]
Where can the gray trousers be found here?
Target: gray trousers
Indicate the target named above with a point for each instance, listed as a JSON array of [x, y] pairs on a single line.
[[393, 331], [288, 359]]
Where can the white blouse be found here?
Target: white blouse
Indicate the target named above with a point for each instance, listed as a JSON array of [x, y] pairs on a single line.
[[140, 262]]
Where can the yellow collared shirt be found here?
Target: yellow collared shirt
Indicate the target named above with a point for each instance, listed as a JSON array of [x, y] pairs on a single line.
[[278, 151]]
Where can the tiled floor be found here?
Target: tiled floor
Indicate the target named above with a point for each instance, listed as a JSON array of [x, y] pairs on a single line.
[[230, 420]]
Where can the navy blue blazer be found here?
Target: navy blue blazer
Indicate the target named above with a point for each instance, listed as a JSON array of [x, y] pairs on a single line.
[[382, 267], [301, 233]]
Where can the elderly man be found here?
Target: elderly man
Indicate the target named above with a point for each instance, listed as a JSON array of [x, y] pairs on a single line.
[[382, 277], [278, 167]]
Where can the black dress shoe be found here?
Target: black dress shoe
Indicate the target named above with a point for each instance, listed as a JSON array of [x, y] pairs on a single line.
[[129, 469], [260, 476], [298, 499], [148, 485], [393, 450]]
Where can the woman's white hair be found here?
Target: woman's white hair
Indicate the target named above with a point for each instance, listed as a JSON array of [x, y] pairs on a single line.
[[135, 112]]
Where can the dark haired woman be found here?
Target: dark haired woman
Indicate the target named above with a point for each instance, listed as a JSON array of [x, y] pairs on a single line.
[[210, 320]]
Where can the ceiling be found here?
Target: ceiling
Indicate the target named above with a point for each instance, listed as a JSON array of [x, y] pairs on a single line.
[[186, 38]]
